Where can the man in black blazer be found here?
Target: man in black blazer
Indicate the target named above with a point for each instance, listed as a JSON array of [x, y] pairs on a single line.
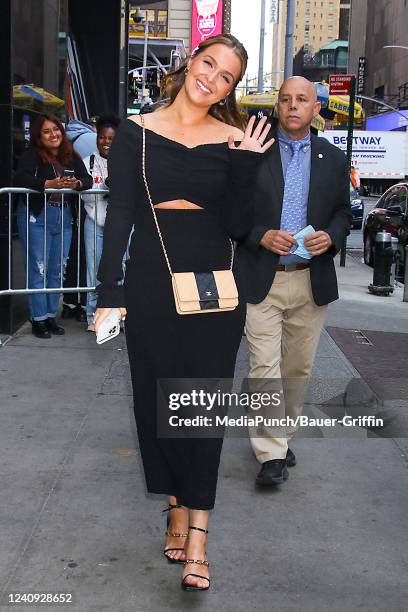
[[303, 181]]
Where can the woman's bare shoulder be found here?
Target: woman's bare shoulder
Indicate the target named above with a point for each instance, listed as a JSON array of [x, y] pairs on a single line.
[[135, 119], [230, 130]]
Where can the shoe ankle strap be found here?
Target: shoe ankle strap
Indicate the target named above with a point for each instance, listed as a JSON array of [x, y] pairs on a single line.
[[198, 529], [197, 562], [171, 507]]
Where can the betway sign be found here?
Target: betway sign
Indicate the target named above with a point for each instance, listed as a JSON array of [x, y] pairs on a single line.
[[376, 154]]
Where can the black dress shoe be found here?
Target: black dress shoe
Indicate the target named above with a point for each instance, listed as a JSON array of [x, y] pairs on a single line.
[[40, 329], [52, 326], [74, 312], [80, 314], [290, 458], [68, 312], [273, 472]]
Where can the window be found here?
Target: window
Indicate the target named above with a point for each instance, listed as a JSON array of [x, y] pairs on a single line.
[[330, 17], [330, 27], [396, 197], [321, 27], [307, 27], [331, 6], [379, 92]]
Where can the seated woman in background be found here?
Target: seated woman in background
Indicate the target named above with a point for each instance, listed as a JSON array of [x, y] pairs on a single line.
[[45, 231]]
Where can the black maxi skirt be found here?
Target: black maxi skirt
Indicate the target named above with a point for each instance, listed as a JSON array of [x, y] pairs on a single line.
[[164, 344]]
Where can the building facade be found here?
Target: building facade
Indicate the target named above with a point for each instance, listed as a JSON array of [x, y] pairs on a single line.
[[330, 59], [344, 19], [317, 22]]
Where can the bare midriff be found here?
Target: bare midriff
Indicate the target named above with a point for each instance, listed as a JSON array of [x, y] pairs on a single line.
[[178, 205]]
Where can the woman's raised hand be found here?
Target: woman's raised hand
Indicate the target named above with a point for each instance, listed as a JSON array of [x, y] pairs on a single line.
[[254, 139]]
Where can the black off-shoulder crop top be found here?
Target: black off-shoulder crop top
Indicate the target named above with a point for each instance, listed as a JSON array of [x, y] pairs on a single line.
[[213, 176]]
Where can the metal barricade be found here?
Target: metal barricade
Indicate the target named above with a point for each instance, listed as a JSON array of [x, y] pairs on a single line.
[[20, 197]]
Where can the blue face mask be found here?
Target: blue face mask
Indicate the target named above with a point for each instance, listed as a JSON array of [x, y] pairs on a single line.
[[299, 248]]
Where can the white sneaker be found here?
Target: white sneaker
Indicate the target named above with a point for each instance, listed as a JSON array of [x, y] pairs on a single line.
[[91, 327]]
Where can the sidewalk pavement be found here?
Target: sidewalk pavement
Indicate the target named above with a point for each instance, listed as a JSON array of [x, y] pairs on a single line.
[[75, 516]]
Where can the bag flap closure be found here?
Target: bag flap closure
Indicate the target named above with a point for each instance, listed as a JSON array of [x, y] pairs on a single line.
[[205, 286]]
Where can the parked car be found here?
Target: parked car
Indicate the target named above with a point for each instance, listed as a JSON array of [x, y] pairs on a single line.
[[391, 215], [357, 208]]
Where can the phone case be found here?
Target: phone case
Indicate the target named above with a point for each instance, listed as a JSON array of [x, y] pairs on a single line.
[[110, 327]]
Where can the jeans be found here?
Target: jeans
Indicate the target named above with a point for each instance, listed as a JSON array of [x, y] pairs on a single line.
[[89, 236], [44, 259], [92, 262], [71, 273]]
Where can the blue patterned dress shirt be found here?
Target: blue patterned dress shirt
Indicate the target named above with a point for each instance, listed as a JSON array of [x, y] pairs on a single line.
[[297, 214]]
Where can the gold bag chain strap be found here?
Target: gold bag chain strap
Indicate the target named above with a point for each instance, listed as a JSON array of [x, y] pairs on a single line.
[[153, 209]]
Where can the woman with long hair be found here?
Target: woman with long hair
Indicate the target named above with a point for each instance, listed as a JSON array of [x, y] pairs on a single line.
[[45, 229], [182, 176]]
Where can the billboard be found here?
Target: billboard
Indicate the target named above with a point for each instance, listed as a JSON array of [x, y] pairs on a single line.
[[376, 154], [206, 20]]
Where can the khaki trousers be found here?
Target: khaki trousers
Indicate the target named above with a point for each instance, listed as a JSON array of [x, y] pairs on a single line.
[[282, 332]]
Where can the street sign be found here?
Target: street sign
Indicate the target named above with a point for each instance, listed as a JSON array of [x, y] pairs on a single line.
[[361, 75], [340, 84], [274, 11]]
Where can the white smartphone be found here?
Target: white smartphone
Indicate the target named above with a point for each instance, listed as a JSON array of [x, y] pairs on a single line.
[[110, 327]]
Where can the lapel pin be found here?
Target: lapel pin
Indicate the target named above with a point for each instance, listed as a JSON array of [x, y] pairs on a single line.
[[320, 156]]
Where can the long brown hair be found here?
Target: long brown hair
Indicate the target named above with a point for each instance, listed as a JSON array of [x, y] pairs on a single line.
[[173, 82], [65, 152]]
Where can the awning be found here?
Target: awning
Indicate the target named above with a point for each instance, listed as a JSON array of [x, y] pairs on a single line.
[[35, 98], [265, 104], [161, 47], [338, 105]]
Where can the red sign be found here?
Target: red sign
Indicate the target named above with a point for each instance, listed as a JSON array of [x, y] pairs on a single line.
[[340, 84], [206, 20]]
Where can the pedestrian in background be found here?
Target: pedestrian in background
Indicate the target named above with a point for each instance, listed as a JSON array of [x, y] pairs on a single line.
[[200, 185], [95, 206], [42, 229], [355, 178], [303, 181]]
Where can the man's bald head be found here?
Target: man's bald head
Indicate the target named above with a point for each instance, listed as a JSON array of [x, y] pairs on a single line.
[[300, 83], [297, 105]]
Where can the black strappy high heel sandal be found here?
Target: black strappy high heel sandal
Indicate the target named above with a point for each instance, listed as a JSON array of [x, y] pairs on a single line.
[[171, 534], [190, 587]]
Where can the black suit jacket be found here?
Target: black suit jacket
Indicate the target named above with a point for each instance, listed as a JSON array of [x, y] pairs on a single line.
[[328, 209]]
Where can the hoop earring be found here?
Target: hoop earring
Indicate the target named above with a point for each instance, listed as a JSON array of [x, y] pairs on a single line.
[[222, 102], [186, 71]]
